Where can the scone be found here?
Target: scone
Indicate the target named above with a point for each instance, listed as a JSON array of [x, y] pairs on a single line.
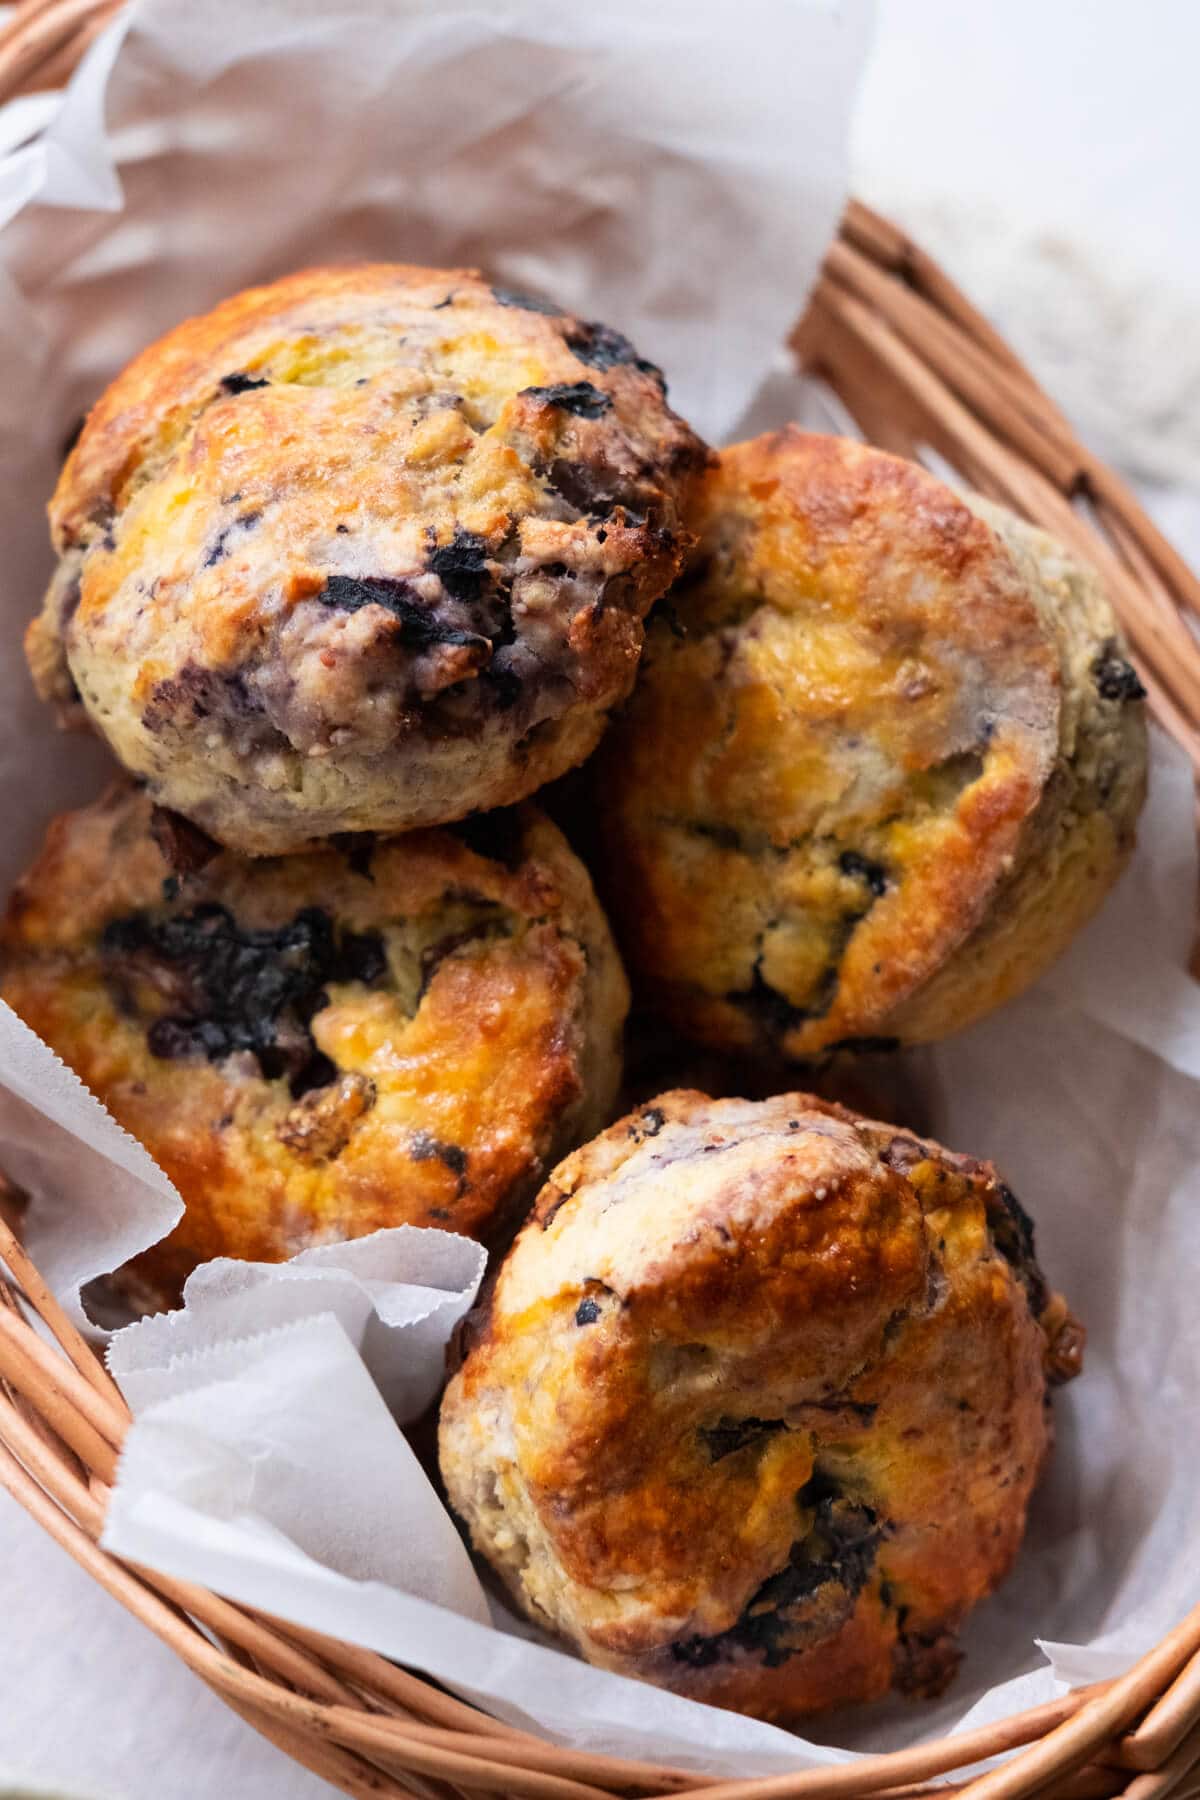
[[884, 757], [404, 1032], [758, 1402], [364, 550]]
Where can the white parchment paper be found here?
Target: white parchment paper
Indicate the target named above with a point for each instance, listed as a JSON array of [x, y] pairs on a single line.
[[676, 169]]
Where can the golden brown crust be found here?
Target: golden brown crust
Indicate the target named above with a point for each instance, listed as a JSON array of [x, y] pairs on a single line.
[[314, 1047], [871, 723], [758, 1402], [365, 549]]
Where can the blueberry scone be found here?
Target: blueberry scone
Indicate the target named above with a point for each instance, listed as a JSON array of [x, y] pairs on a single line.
[[364, 550], [758, 1401], [405, 1031], [884, 757]]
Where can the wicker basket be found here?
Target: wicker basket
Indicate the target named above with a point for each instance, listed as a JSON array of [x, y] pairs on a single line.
[[919, 371]]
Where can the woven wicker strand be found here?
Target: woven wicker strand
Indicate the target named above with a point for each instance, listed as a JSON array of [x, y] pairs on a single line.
[[917, 370]]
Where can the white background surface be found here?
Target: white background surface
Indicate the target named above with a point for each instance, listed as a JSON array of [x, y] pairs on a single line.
[[1078, 114], [1076, 120]]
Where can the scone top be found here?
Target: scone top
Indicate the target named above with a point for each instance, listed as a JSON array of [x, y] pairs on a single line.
[[365, 549], [875, 770], [406, 1031], [757, 1403]]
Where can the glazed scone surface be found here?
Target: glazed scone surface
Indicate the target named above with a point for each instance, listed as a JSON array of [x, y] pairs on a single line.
[[365, 549], [883, 758], [758, 1402], [316, 1046]]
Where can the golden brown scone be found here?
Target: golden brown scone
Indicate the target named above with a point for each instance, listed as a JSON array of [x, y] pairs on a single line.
[[758, 1402], [312, 1047], [366, 549], [884, 757]]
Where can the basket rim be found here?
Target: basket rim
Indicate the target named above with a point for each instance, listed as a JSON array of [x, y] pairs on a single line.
[[353, 1717], [917, 369]]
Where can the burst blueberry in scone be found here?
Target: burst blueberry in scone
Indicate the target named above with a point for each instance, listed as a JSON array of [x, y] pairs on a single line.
[[400, 1032], [364, 550], [758, 1401], [885, 755]]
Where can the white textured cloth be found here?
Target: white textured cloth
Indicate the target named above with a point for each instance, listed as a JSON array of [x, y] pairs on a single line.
[[1047, 155], [95, 1708]]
